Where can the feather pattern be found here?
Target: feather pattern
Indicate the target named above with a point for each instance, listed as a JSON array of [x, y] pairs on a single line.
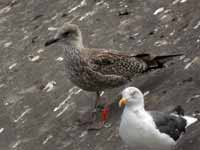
[[98, 69]]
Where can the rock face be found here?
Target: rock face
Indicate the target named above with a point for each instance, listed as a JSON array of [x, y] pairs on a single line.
[[39, 106]]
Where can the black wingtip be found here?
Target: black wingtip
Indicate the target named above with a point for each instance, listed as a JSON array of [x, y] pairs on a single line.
[[165, 58], [159, 61], [175, 55], [179, 110], [50, 42]]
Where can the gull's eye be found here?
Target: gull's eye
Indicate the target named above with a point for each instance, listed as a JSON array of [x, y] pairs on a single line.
[[65, 34], [133, 93]]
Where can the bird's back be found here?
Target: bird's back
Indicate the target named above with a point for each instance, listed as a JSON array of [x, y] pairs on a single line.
[[83, 76], [169, 124], [113, 62]]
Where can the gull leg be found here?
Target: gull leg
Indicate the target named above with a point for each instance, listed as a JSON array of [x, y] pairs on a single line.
[[96, 118], [97, 125], [93, 114], [97, 99], [90, 116]]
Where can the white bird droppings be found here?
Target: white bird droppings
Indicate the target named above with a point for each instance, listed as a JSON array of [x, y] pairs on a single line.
[[52, 28], [83, 3], [172, 33], [1, 130], [59, 59], [40, 50], [197, 25], [159, 10], [160, 43], [166, 11], [2, 85], [16, 144], [12, 66], [77, 92], [64, 105], [182, 57], [196, 114], [190, 63], [54, 17], [25, 37], [186, 60], [5, 10], [192, 98], [86, 15], [175, 2], [64, 109], [101, 94], [196, 96], [146, 93], [100, 2], [23, 114], [47, 139], [84, 133], [49, 86], [183, 1], [7, 44], [98, 133], [33, 58]]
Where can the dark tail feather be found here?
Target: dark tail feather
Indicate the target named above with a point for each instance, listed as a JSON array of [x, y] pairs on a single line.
[[164, 59], [158, 61], [178, 110]]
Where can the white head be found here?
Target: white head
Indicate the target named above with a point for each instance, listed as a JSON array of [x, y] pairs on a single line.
[[132, 97], [67, 34]]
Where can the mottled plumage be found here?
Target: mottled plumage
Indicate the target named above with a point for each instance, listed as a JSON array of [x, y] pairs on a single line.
[[82, 74], [98, 69]]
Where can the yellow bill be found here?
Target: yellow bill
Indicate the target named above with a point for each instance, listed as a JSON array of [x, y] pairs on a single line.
[[123, 102]]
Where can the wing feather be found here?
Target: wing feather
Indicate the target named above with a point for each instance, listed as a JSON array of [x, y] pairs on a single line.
[[115, 63]]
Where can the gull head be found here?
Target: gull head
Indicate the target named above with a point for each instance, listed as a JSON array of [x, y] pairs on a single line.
[[132, 97], [68, 34]]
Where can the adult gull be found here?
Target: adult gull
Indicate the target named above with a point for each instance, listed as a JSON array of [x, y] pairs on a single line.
[[149, 130]]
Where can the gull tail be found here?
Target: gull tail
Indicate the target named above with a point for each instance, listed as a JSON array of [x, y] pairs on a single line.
[[158, 61], [179, 111], [190, 120]]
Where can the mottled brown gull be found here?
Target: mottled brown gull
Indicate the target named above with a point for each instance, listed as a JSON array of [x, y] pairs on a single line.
[[99, 69]]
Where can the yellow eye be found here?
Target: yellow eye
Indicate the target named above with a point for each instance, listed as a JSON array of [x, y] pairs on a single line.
[[133, 93]]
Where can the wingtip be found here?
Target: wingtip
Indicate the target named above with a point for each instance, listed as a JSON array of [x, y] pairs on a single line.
[[179, 110], [168, 56], [165, 58]]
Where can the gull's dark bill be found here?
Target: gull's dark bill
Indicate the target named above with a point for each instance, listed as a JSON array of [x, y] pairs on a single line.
[[50, 42]]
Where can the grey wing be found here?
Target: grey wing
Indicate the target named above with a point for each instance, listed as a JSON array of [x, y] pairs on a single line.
[[169, 124]]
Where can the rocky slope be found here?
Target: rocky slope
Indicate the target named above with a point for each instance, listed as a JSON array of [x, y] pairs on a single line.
[[39, 106]]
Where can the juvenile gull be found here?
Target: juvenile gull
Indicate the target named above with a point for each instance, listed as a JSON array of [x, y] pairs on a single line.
[[99, 69], [149, 130]]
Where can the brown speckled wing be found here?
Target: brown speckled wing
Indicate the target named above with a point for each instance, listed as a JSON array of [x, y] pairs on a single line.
[[116, 64], [104, 81]]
